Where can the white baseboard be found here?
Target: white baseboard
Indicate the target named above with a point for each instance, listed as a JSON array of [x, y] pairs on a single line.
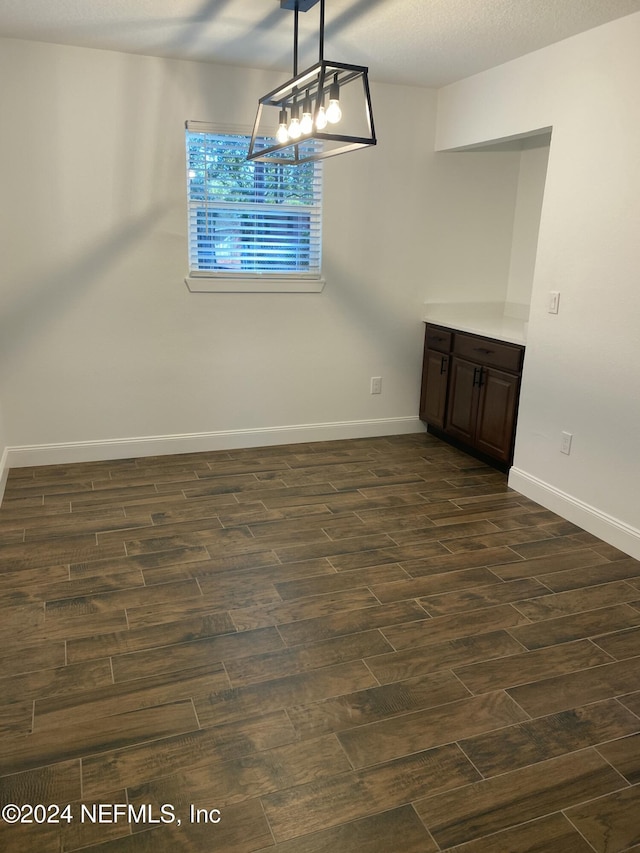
[[4, 470], [159, 445], [604, 526]]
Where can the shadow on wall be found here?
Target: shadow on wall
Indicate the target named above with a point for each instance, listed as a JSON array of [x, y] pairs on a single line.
[[393, 328], [39, 300], [135, 178]]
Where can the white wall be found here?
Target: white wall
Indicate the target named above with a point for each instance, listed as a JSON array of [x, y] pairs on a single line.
[[467, 231], [101, 343], [526, 222], [582, 370]]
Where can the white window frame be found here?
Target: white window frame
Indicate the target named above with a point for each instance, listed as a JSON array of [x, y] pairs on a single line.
[[210, 281]]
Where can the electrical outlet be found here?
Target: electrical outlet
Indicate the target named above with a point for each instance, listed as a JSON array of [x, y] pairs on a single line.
[[376, 384], [554, 301], [565, 442]]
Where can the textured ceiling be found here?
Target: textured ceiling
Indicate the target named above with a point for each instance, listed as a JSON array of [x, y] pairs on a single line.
[[421, 42]]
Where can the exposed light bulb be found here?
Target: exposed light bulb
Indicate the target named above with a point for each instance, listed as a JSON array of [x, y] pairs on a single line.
[[295, 131], [306, 123], [334, 113], [321, 118], [294, 124], [282, 134]]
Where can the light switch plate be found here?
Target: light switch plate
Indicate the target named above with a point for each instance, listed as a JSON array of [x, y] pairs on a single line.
[[554, 301]]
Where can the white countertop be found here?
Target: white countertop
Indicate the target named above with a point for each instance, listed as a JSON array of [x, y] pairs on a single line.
[[499, 320]]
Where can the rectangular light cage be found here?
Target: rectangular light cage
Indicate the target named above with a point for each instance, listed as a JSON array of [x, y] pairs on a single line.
[[314, 86]]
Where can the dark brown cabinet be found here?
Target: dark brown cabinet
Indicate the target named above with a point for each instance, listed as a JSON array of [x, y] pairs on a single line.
[[470, 388], [437, 346]]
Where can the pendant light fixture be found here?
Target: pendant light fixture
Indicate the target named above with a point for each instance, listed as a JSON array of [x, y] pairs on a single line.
[[318, 113]]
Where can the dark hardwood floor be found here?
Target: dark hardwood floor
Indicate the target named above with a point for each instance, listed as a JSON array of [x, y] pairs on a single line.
[[361, 646]]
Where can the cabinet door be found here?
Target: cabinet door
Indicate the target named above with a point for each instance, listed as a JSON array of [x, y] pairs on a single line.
[[496, 413], [463, 399], [434, 387]]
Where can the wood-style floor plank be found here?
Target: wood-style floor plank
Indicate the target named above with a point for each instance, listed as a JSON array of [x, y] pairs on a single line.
[[553, 834], [564, 629], [397, 829], [25, 752], [60, 681], [148, 637], [352, 621], [248, 777], [410, 662], [547, 737], [375, 703], [610, 823], [243, 702], [514, 798], [348, 796], [624, 755], [620, 644], [302, 658], [198, 652], [518, 592], [311, 608], [530, 667], [51, 712], [578, 688], [442, 628], [419, 730], [144, 762], [368, 644]]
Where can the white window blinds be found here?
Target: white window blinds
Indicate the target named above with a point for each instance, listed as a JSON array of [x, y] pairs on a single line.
[[249, 218]]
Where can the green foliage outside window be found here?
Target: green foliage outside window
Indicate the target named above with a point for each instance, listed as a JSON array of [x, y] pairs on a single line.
[[248, 216]]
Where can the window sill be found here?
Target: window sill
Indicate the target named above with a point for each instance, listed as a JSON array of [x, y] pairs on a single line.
[[220, 284]]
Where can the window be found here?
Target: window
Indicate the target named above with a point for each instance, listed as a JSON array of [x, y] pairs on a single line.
[[252, 226]]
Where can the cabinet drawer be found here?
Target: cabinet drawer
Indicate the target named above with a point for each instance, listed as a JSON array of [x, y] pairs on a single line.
[[438, 338], [488, 351]]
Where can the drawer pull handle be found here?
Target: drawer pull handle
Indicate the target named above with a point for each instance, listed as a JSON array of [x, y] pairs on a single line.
[[443, 365], [477, 377], [483, 350]]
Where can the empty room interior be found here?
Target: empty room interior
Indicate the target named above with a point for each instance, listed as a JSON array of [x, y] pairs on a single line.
[[319, 475]]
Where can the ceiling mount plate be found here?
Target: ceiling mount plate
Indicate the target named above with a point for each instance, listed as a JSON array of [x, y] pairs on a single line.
[[303, 5]]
